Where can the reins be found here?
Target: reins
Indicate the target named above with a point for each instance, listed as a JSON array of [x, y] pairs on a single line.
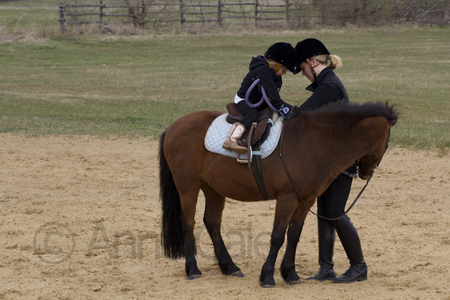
[[298, 193]]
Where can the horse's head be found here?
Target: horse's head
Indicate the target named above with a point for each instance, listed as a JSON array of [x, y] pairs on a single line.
[[367, 165], [369, 162]]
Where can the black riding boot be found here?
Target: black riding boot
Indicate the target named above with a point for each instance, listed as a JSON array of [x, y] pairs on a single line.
[[352, 246], [326, 247]]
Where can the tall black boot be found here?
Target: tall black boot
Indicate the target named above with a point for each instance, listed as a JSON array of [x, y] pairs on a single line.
[[352, 246], [326, 247]]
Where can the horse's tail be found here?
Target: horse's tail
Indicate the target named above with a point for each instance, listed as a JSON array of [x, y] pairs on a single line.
[[171, 232]]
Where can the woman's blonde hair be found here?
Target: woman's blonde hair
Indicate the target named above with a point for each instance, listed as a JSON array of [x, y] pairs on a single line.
[[333, 61]]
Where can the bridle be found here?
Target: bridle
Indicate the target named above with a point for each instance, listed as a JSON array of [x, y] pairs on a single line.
[[354, 201]]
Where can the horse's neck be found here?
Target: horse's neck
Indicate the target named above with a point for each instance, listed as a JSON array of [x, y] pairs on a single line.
[[337, 147], [360, 139]]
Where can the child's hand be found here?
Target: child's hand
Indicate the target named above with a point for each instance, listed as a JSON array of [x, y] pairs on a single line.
[[285, 111]]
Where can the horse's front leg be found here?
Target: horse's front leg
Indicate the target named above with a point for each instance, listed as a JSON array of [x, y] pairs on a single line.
[[295, 229], [283, 214]]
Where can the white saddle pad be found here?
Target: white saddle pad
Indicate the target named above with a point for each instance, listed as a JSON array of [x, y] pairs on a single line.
[[218, 133]]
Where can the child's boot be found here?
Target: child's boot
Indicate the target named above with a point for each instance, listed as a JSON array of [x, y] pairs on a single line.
[[231, 143]]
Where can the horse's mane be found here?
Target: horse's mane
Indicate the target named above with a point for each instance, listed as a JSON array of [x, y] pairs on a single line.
[[350, 111]]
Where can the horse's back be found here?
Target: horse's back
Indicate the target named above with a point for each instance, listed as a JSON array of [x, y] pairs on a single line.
[[185, 137]]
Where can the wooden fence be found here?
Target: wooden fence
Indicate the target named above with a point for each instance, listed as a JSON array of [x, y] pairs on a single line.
[[262, 13], [156, 14]]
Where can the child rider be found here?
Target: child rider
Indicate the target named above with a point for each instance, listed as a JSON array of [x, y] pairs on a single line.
[[269, 68]]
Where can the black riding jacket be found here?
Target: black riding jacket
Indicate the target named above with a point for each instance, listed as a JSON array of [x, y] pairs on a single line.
[[326, 88], [259, 68]]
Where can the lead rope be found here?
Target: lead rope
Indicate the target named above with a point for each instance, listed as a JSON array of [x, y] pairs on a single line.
[[263, 98], [298, 193]]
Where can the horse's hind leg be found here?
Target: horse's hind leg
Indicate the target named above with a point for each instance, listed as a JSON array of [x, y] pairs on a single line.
[[188, 204], [214, 205]]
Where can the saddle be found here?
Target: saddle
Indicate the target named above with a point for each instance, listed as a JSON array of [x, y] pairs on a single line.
[[252, 139], [259, 131]]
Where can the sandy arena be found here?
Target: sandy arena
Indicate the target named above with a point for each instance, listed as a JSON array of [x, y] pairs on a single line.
[[80, 219]]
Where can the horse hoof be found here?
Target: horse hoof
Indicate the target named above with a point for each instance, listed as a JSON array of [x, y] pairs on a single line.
[[292, 282], [237, 274], [267, 286], [194, 276]]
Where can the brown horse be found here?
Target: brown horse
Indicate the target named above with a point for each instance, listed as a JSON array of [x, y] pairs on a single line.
[[316, 146]]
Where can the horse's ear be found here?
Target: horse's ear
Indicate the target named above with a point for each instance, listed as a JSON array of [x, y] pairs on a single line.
[[394, 114]]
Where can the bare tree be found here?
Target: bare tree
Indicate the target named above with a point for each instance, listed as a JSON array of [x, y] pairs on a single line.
[[426, 11], [138, 10]]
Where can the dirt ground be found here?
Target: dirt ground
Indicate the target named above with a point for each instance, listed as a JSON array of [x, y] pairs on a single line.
[[80, 219]]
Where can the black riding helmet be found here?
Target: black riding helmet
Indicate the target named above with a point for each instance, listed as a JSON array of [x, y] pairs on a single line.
[[284, 54], [309, 48]]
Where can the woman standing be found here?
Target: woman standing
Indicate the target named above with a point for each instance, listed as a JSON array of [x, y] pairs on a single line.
[[315, 63]]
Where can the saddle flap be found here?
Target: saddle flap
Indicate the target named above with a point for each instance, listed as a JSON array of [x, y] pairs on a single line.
[[260, 132], [257, 133]]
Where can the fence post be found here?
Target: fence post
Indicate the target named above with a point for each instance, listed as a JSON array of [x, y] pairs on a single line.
[[446, 11], [287, 12], [256, 12], [219, 12], [62, 17], [182, 19], [100, 22]]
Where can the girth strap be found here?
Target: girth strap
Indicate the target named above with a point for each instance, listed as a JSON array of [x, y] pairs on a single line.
[[257, 168]]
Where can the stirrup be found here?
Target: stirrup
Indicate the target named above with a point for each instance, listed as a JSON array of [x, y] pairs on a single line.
[[249, 156]]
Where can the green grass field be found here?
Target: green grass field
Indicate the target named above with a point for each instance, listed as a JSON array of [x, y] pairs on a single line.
[[136, 85]]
